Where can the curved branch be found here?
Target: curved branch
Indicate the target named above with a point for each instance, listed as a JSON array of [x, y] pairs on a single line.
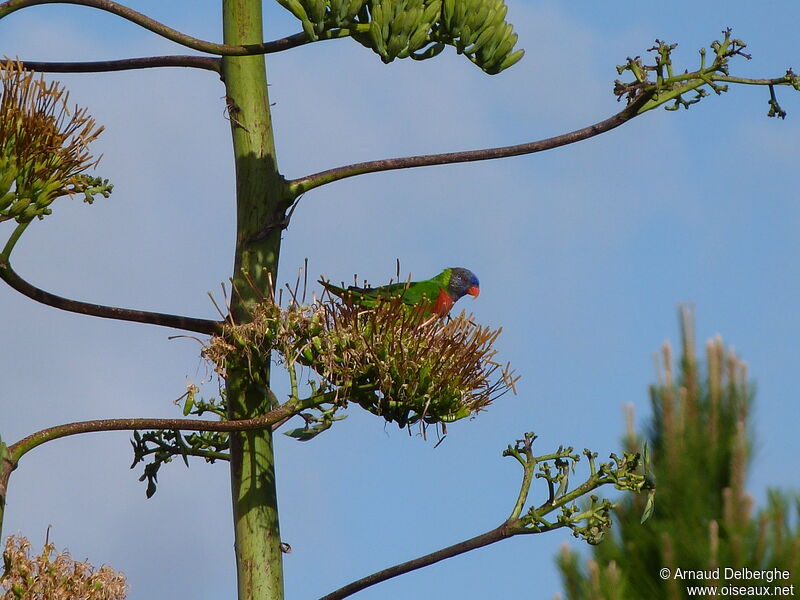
[[205, 326], [209, 455], [509, 528], [271, 419], [303, 184], [787, 79], [10, 276], [479, 541], [104, 66], [533, 521], [136, 17], [292, 41]]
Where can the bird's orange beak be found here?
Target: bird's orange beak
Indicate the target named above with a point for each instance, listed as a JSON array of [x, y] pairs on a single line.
[[474, 291]]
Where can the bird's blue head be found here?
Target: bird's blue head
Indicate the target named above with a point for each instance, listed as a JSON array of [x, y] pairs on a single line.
[[462, 282]]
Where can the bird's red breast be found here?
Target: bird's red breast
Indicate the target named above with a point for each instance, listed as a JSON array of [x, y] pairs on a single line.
[[443, 303]]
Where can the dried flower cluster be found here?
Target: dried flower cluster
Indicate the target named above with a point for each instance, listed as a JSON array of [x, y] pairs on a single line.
[[61, 578], [44, 146], [387, 359]]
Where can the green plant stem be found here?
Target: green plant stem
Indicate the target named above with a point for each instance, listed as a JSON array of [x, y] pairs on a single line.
[[6, 466], [292, 369], [206, 454], [262, 201], [671, 88], [783, 80], [524, 489], [242, 49], [749, 81], [12, 241], [520, 527]]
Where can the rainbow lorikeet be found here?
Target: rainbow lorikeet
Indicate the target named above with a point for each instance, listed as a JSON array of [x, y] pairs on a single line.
[[436, 295]]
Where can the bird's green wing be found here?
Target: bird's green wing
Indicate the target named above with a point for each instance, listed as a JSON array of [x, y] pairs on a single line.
[[366, 297], [421, 292], [416, 293]]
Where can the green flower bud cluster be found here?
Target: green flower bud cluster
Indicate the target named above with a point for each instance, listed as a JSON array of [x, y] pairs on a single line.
[[386, 359], [478, 29], [319, 16], [44, 146], [409, 371], [400, 28], [419, 29], [671, 85]]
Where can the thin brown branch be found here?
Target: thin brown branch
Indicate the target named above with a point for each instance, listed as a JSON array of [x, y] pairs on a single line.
[[298, 39], [490, 537], [104, 66], [204, 326], [303, 184], [140, 19], [270, 419]]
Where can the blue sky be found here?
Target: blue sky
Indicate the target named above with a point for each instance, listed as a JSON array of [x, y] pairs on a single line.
[[583, 255]]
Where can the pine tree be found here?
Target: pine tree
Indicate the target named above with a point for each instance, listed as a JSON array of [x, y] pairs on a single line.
[[700, 449]]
